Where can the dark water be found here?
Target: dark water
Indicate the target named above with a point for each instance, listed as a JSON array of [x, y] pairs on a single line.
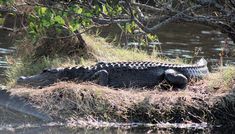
[[177, 41], [180, 40]]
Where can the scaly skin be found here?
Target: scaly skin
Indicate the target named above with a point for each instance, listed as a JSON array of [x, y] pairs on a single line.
[[122, 74]]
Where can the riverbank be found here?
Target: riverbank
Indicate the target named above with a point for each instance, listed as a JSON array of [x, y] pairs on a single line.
[[70, 102], [210, 100]]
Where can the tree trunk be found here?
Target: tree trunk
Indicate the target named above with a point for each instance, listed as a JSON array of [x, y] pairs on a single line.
[[62, 43]]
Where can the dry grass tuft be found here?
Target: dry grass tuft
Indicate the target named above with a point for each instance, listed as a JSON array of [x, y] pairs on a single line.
[[223, 78]]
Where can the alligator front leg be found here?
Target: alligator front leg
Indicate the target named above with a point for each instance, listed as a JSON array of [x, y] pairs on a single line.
[[102, 77], [175, 78]]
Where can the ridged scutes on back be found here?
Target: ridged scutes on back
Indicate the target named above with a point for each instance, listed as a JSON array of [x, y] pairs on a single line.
[[145, 65]]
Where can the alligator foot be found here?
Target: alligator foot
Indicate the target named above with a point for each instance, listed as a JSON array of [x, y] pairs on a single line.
[[102, 77], [175, 78]]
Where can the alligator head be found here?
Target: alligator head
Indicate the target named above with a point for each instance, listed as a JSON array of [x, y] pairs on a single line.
[[46, 77]]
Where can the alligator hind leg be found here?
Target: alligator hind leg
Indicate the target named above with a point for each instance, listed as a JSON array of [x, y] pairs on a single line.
[[175, 78], [102, 77]]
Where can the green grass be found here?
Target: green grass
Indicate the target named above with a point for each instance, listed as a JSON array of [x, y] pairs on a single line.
[[104, 51]]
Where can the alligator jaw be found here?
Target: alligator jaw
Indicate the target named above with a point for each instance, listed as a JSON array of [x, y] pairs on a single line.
[[40, 80]]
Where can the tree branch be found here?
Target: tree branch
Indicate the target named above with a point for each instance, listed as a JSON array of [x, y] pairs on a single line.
[[173, 18], [147, 7]]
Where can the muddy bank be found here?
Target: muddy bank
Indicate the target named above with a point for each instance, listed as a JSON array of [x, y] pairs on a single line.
[[70, 101]]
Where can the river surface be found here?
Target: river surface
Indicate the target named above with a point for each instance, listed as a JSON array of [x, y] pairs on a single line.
[[110, 128], [180, 40], [177, 41]]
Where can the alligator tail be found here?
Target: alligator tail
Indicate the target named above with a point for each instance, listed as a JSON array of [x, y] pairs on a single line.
[[202, 62]]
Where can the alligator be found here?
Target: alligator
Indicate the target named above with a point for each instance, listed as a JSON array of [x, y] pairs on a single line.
[[122, 74], [18, 104]]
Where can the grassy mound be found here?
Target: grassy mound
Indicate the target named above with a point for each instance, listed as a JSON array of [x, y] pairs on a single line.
[[71, 101]]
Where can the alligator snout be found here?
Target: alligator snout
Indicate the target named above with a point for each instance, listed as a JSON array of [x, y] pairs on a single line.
[[21, 80], [42, 79]]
